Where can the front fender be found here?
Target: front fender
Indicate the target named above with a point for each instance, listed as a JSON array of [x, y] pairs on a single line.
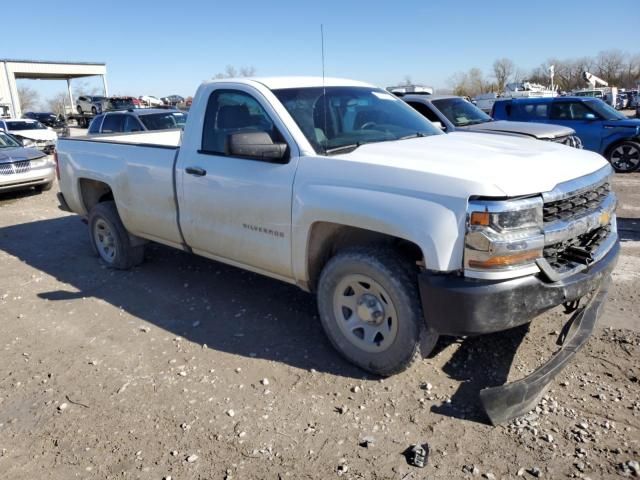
[[433, 224]]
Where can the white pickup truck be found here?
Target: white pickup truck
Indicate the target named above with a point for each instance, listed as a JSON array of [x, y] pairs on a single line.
[[404, 233]]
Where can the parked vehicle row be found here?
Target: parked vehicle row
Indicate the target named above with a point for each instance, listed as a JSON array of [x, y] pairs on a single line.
[[451, 113], [49, 119], [31, 133], [137, 121], [599, 126], [99, 104], [403, 232]]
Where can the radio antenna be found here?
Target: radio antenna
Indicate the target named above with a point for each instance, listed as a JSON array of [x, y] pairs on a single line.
[[324, 90]]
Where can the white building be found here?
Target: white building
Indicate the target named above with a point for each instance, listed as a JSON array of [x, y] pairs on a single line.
[[11, 70]]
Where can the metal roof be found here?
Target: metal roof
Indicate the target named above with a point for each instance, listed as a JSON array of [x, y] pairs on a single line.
[[13, 60]]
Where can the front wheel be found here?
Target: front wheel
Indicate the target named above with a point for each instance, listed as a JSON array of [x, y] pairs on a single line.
[[370, 310], [625, 157], [110, 239]]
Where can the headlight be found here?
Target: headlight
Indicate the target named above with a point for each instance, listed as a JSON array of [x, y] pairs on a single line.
[[503, 236], [26, 142], [41, 162]]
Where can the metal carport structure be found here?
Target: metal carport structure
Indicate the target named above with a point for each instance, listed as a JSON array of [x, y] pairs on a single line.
[[12, 70]]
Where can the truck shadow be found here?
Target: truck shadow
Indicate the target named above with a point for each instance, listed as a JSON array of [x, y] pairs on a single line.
[[228, 309], [478, 363]]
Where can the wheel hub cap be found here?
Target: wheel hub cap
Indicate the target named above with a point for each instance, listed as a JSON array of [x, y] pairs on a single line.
[[370, 309], [365, 313]]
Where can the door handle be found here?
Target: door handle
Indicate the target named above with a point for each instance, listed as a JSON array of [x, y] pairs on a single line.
[[197, 171]]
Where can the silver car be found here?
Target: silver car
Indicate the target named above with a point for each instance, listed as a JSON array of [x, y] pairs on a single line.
[[90, 104], [22, 168]]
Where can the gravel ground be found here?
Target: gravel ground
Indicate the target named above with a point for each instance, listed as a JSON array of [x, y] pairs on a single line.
[[185, 368]]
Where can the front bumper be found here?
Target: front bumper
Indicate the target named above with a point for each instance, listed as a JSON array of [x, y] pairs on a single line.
[[459, 306], [35, 177], [462, 306]]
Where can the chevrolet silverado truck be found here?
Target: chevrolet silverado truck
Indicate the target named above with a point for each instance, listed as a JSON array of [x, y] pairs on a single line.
[[402, 232]]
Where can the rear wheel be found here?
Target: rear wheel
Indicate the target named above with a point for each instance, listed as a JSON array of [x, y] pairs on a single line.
[[370, 310], [110, 239], [94, 110], [625, 157]]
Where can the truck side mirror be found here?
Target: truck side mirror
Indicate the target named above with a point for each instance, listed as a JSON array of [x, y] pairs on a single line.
[[257, 145]]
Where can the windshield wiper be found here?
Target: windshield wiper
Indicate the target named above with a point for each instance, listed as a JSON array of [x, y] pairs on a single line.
[[413, 135], [343, 148]]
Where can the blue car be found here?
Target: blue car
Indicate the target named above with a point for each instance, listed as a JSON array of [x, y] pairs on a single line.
[[601, 128]]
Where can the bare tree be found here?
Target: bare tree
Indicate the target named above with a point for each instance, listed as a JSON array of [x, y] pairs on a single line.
[[84, 88], [57, 103], [407, 80], [469, 83], [231, 72], [29, 98], [610, 65], [503, 69]]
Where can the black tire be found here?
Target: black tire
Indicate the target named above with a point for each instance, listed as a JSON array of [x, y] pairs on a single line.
[[398, 281], [94, 110], [625, 156], [45, 187], [104, 218], [79, 109]]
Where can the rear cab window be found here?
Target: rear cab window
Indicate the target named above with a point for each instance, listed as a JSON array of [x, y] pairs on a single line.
[[94, 127]]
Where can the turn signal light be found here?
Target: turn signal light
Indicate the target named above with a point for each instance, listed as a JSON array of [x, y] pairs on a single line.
[[480, 218], [506, 260]]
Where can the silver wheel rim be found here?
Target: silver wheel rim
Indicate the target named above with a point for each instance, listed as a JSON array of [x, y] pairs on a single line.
[[104, 240], [365, 313], [625, 158]]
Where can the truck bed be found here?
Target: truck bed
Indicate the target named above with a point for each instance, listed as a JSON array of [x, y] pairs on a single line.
[[139, 167]]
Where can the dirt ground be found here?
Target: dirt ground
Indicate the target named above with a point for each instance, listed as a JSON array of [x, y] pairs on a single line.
[[185, 368]]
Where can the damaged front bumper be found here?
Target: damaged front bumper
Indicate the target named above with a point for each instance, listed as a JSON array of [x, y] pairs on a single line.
[[460, 306]]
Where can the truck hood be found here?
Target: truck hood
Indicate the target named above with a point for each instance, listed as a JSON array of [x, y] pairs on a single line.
[[493, 165], [537, 130], [36, 134], [17, 154]]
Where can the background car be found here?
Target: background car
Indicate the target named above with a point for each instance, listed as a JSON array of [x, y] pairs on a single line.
[[22, 167], [90, 104], [172, 100], [452, 113], [138, 121], [50, 119], [31, 133], [150, 101], [601, 128]]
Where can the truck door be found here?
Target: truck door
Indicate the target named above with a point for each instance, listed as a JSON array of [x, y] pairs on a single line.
[[577, 115], [231, 207]]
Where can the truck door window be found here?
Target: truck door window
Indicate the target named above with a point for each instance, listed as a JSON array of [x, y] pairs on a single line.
[[131, 124], [229, 112], [569, 111], [532, 111], [113, 123], [424, 110]]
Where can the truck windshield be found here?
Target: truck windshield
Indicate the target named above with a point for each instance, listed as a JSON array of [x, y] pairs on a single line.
[[7, 142], [338, 119], [460, 112], [605, 111], [163, 121]]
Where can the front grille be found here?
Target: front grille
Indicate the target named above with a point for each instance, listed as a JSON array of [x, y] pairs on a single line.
[[576, 251], [23, 166], [576, 205]]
